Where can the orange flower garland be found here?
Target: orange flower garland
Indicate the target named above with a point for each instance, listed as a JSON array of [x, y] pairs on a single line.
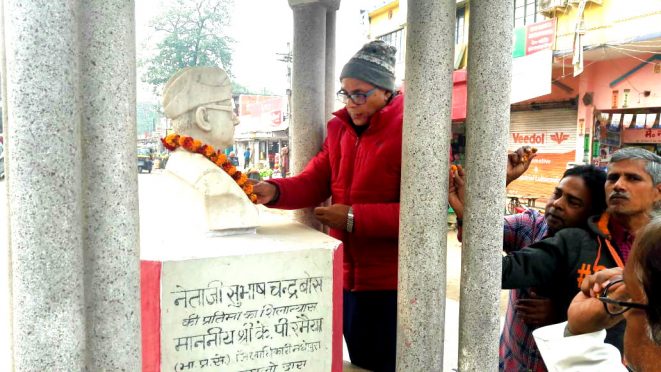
[[172, 141]]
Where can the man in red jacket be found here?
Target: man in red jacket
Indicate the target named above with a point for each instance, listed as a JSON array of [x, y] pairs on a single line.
[[359, 167]]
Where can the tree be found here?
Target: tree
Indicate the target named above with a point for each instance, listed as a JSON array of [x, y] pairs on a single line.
[[194, 34]]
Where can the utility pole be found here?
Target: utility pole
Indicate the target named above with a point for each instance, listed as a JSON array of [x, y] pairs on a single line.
[[288, 58]]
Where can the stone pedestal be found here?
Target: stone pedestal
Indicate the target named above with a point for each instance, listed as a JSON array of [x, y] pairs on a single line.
[[269, 301]]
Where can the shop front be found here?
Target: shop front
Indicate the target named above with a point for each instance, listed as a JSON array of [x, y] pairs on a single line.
[[624, 106], [618, 128], [553, 133]]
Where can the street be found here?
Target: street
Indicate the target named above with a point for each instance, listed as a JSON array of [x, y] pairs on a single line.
[[149, 183]]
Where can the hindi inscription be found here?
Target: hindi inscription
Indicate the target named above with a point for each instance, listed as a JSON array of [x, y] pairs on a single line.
[[258, 313]]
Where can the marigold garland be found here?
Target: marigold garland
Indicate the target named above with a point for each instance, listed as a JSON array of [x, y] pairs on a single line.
[[172, 141]]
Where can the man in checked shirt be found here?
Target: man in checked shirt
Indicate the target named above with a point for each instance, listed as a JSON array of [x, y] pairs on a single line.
[[569, 206]]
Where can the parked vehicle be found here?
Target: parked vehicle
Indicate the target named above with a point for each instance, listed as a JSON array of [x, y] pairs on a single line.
[[145, 159]]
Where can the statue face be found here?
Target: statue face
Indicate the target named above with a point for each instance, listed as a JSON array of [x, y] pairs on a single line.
[[222, 122]]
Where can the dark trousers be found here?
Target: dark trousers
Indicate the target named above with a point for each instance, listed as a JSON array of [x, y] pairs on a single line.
[[370, 329]]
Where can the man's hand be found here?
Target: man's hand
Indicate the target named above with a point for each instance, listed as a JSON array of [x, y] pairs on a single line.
[[457, 190], [594, 284], [586, 313], [536, 311], [519, 161], [334, 216], [265, 191]]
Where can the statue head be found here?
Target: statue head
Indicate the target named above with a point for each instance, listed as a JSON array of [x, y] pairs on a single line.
[[199, 102]]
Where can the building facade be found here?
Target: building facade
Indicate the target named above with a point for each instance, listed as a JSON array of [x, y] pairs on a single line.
[[600, 91]]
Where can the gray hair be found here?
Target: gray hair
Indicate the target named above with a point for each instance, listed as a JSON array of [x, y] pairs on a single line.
[[653, 161]]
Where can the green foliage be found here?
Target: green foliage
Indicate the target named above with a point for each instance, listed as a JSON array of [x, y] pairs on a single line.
[[265, 173], [194, 34], [147, 117], [239, 89]]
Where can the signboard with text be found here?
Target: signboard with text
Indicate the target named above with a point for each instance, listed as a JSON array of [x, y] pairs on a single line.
[[556, 148], [533, 38], [261, 113], [248, 313], [540, 36], [652, 135]]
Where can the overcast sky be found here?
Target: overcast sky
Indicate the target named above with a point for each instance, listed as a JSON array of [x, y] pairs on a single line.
[[261, 29]]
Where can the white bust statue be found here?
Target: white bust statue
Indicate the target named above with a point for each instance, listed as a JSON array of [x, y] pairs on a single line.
[[199, 102]]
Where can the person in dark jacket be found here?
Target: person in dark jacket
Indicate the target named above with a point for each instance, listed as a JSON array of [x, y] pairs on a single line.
[[578, 195], [633, 194], [359, 166], [605, 299]]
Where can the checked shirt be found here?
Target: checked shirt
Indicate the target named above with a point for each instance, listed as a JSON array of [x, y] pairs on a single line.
[[518, 351]]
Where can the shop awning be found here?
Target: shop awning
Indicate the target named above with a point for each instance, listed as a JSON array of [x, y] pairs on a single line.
[[459, 95]]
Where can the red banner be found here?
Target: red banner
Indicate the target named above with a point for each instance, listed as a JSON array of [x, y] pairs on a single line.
[[540, 36]]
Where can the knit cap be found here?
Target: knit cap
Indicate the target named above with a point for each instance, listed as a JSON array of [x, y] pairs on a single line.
[[374, 63]]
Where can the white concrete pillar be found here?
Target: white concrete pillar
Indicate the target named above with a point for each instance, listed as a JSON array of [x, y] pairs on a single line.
[[110, 185], [331, 80], [487, 128], [44, 183], [424, 185], [309, 108], [72, 184]]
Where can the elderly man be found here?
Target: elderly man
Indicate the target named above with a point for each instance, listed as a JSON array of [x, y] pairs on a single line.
[[633, 191], [606, 298], [359, 166]]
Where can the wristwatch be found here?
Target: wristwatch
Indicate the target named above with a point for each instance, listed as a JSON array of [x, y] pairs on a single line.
[[350, 220]]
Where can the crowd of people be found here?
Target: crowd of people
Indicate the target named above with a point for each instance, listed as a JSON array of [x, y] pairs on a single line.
[[586, 270]]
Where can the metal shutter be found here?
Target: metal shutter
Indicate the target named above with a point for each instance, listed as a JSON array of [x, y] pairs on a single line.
[[549, 122]]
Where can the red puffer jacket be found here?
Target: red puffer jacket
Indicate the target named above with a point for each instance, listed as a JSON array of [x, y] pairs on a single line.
[[363, 172]]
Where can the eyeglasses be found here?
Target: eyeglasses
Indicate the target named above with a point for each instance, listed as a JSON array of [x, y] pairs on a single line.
[[235, 119], [358, 98], [219, 107], [617, 301]]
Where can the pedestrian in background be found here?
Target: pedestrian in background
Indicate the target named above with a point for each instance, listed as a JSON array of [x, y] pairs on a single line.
[[234, 159], [359, 166], [246, 158], [284, 160]]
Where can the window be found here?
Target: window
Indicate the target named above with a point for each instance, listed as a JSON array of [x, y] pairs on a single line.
[[395, 39], [459, 26], [525, 12]]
